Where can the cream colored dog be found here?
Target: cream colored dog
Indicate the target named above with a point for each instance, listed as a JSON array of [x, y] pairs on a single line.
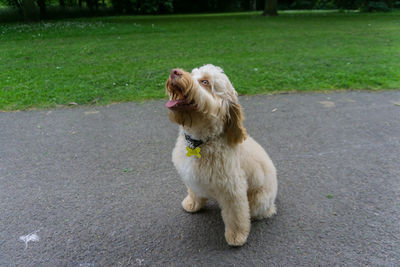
[[214, 155]]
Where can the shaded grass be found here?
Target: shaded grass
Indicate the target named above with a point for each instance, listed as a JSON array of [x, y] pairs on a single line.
[[128, 58]]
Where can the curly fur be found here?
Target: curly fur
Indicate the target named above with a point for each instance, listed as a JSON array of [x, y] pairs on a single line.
[[233, 169]]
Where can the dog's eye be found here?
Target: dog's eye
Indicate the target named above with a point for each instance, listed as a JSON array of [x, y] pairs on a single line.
[[205, 82]]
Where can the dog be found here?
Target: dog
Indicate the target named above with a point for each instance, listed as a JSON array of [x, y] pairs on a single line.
[[214, 155]]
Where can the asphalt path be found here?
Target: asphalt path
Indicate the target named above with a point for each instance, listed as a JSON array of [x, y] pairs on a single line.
[[96, 185]]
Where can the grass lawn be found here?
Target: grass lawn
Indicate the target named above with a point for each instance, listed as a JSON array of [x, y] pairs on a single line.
[[128, 58]]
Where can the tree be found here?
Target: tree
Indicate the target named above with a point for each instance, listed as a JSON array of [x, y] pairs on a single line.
[[270, 8], [17, 3], [29, 10], [42, 8]]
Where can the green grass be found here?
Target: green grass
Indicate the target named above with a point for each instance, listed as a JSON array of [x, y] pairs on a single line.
[[116, 59]]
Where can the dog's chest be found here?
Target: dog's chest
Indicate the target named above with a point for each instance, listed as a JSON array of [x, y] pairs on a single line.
[[200, 174], [196, 176]]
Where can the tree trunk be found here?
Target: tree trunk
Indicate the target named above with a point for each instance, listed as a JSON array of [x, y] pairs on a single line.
[[62, 3], [254, 5], [19, 6], [42, 8], [271, 8], [89, 4], [29, 10]]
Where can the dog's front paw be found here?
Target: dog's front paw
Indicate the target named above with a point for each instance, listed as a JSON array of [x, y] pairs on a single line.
[[236, 238], [190, 205]]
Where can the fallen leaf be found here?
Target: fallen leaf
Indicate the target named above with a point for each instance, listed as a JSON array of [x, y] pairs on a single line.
[[327, 104], [91, 112], [349, 100]]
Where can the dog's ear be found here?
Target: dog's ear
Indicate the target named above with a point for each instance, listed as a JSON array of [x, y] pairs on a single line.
[[167, 85], [235, 131]]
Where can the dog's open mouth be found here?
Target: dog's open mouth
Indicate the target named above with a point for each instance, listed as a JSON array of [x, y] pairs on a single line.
[[179, 101], [179, 105]]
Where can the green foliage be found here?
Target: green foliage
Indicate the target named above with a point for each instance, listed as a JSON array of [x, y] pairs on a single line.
[[11, 3], [202, 6], [363, 5], [127, 58], [143, 6], [325, 4], [58, 9], [31, 10], [10, 15], [57, 12], [347, 4], [302, 4], [366, 5], [378, 6]]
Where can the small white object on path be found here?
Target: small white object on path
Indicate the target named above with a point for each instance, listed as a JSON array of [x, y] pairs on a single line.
[[30, 237]]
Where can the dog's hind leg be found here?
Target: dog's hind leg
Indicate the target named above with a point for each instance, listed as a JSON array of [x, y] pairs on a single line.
[[262, 191], [193, 203], [261, 203]]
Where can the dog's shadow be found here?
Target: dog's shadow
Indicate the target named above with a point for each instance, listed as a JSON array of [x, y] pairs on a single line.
[[205, 229]]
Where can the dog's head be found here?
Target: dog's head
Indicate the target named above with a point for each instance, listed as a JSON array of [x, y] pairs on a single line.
[[205, 100]]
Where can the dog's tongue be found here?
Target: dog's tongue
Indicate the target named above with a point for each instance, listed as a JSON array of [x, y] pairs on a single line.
[[172, 103]]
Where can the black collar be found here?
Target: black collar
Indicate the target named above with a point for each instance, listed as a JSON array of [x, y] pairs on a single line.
[[193, 143]]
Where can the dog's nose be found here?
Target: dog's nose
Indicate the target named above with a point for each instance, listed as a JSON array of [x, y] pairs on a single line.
[[175, 73]]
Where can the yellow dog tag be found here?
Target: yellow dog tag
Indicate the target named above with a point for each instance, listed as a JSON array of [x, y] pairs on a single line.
[[193, 152]]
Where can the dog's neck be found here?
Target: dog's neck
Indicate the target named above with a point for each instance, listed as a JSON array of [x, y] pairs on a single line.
[[193, 143], [195, 139], [202, 129]]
